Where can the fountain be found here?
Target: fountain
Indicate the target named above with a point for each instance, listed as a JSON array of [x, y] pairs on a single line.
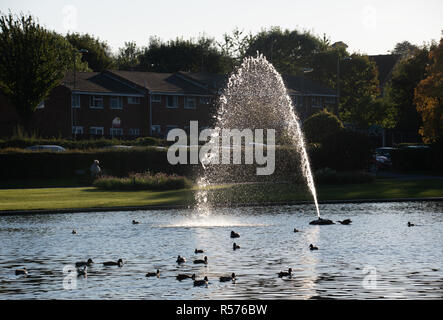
[[255, 98]]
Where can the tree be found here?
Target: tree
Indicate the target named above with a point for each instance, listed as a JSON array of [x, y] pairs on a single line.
[[320, 125], [99, 55], [33, 61], [235, 45], [128, 57], [404, 48], [406, 75], [428, 97], [184, 55], [358, 93], [289, 51]]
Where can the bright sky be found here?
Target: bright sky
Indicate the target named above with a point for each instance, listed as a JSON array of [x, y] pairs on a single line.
[[371, 27]]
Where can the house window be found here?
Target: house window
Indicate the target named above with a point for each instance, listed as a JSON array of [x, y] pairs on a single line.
[[205, 100], [96, 102], [77, 130], [155, 129], [75, 100], [134, 131], [171, 101], [97, 131], [41, 105], [116, 103], [330, 100], [190, 103], [134, 100], [116, 131], [316, 102], [156, 98]]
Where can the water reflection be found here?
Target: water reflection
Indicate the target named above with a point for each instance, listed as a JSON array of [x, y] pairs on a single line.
[[407, 260]]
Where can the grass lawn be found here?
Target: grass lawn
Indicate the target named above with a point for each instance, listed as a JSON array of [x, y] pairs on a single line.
[[84, 197]]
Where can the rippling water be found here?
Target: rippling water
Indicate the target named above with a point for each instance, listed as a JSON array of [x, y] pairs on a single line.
[[407, 261]]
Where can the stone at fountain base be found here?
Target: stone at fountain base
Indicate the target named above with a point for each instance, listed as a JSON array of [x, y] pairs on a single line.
[[321, 221]]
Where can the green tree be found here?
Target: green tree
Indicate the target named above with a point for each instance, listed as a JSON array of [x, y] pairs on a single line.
[[358, 92], [404, 48], [99, 55], [407, 73], [33, 61], [320, 125], [128, 57], [289, 51], [184, 55], [428, 97], [234, 45]]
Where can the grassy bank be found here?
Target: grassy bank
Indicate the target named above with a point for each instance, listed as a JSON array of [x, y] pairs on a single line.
[[85, 197]]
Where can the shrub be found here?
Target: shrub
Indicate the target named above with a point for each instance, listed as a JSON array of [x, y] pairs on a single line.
[[329, 176], [320, 125], [343, 151], [143, 181]]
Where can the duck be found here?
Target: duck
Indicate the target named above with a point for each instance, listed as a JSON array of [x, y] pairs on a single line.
[[204, 261], [234, 235], [74, 231], [153, 274], [181, 277], [199, 283], [21, 272], [296, 230], [84, 263], [198, 251], [312, 247], [227, 278], [82, 272], [119, 263], [282, 274], [181, 259], [411, 224], [235, 246], [345, 222], [135, 222]]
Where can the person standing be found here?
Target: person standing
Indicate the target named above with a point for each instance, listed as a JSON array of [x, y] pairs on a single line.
[[95, 170]]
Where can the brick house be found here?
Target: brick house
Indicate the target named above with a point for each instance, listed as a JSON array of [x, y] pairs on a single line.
[[131, 104]]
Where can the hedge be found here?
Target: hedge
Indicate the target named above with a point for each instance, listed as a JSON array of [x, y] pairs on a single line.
[[143, 181], [419, 159], [79, 144]]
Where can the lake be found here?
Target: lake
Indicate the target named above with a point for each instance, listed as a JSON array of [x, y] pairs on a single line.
[[376, 257]]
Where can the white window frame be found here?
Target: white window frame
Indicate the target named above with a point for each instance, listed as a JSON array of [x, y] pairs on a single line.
[[134, 131], [77, 130], [156, 128], [119, 103], [175, 100], [94, 99], [187, 100], [74, 104], [156, 98], [93, 131], [134, 100], [116, 132]]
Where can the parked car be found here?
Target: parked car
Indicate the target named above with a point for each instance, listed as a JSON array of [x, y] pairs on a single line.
[[47, 147], [385, 152]]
